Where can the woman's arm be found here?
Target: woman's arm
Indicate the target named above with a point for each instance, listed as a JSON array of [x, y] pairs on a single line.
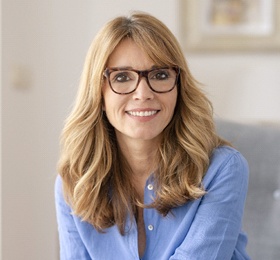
[[71, 245], [215, 232]]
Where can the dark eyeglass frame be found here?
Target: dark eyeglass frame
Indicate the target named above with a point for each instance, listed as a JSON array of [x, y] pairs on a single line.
[[141, 74]]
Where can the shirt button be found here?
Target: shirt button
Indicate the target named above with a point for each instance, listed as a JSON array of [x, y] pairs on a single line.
[[151, 227], [150, 187]]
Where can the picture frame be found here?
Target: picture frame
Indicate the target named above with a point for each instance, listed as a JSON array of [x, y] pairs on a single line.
[[231, 25]]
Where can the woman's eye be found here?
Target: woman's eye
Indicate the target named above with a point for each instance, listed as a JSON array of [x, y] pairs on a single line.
[[160, 75], [121, 77]]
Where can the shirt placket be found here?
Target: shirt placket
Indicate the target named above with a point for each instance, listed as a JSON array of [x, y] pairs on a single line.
[[150, 219]]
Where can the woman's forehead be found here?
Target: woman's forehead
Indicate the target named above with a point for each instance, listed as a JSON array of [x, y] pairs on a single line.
[[129, 54]]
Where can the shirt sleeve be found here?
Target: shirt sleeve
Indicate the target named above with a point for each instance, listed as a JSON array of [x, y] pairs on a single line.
[[215, 232], [71, 244]]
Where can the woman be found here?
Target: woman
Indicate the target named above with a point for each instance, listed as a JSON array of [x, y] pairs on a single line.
[[143, 174]]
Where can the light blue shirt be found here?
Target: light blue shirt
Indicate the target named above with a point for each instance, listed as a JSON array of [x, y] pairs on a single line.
[[203, 229]]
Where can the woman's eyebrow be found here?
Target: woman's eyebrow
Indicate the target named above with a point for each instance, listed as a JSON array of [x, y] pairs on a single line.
[[121, 67], [131, 68]]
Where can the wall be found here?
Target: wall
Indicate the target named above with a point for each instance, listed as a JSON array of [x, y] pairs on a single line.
[[43, 47], [242, 86]]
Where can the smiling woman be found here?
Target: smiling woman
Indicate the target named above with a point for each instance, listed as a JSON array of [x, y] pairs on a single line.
[[141, 158]]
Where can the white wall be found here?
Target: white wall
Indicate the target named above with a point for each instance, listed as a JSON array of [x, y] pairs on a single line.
[[43, 47], [242, 86]]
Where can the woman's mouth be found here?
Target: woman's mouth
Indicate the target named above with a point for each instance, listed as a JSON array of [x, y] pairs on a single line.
[[142, 113]]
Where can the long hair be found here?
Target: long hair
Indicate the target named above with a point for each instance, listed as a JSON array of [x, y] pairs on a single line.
[[91, 165]]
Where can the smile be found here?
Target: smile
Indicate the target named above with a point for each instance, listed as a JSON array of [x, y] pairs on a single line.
[[142, 113]]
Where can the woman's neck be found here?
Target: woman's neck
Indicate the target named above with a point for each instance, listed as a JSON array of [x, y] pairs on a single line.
[[141, 156]]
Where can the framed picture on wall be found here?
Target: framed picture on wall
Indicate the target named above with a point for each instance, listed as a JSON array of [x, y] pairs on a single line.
[[231, 24]]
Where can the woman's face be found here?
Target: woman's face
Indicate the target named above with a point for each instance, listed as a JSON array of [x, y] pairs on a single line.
[[142, 114]]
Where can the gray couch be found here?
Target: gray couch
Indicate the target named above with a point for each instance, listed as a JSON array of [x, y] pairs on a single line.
[[260, 144]]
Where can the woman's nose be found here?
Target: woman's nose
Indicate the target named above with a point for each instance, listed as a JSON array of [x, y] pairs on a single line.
[[143, 91]]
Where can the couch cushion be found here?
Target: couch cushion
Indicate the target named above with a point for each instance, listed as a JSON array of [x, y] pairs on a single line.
[[260, 144]]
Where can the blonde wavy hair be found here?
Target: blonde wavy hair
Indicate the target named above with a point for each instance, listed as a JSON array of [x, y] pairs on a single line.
[[91, 165]]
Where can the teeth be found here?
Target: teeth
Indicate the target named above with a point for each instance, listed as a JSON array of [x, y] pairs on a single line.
[[142, 113]]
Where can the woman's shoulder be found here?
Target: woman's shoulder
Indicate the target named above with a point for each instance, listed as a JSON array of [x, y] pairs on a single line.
[[58, 189], [223, 154], [226, 162], [58, 183]]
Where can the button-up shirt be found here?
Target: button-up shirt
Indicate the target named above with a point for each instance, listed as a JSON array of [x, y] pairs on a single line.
[[202, 229]]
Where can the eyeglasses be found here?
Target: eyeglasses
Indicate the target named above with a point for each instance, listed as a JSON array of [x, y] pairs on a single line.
[[160, 80]]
